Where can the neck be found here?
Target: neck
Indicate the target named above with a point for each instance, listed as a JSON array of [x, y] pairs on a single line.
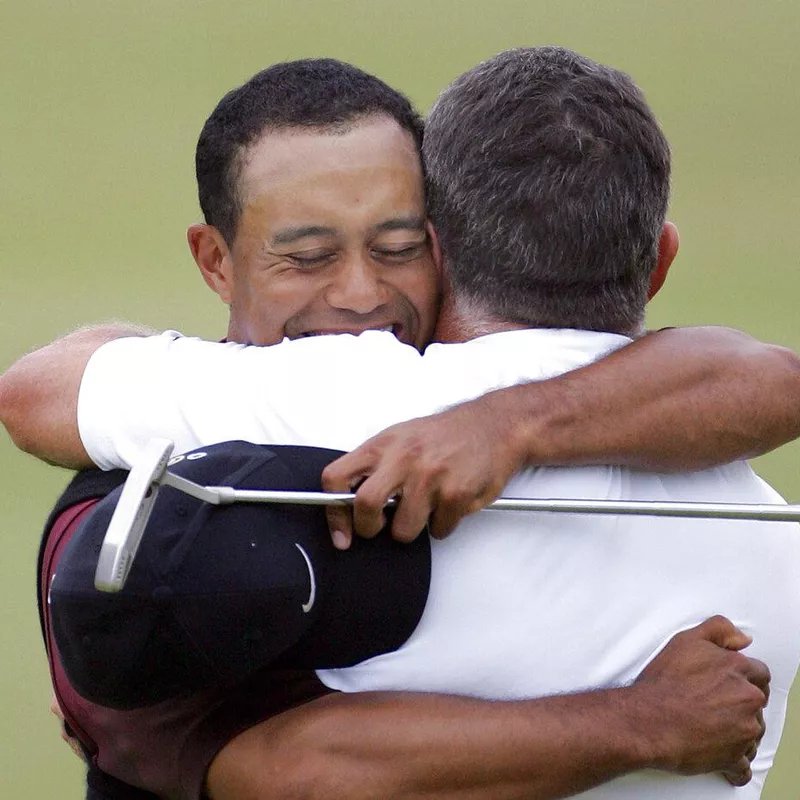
[[461, 320]]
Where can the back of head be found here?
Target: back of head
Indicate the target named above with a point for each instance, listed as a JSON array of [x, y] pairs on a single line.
[[320, 93], [548, 182]]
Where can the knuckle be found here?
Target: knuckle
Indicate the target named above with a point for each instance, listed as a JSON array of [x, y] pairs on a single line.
[[717, 626], [333, 477], [757, 697], [752, 730], [369, 500], [474, 505], [453, 496], [719, 619], [740, 662]]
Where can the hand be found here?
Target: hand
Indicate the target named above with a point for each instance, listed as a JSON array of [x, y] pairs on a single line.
[[70, 740], [712, 701], [441, 467]]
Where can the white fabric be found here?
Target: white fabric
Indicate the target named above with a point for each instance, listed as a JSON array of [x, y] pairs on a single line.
[[521, 604]]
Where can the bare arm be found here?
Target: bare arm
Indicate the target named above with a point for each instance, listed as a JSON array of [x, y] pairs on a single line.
[[695, 709], [682, 398], [39, 394], [676, 399]]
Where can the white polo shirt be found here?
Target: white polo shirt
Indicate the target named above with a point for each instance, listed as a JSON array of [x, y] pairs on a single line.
[[521, 604]]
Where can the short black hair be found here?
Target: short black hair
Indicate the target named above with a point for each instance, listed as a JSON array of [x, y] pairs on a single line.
[[548, 184], [310, 93]]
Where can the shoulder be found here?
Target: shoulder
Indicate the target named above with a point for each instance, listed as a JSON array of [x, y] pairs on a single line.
[[87, 486]]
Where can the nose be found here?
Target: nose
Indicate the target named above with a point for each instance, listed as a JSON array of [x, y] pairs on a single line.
[[357, 286]]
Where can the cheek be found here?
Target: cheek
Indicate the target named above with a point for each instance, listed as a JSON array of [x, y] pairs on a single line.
[[265, 304], [422, 288]]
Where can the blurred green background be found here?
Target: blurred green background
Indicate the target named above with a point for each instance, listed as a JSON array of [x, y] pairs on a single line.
[[101, 107]]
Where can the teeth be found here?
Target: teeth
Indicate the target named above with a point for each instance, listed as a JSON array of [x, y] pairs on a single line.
[[306, 334]]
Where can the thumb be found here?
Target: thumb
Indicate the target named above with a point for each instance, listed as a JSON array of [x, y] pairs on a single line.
[[722, 632]]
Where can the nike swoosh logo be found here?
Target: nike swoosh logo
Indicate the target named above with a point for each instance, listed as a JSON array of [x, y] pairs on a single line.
[[312, 594]]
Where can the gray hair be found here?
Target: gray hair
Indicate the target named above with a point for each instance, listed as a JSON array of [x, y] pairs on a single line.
[[548, 184]]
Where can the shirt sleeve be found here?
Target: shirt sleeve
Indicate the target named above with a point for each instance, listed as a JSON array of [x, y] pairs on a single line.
[[329, 391]]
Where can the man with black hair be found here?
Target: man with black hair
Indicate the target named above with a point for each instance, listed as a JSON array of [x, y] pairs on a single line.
[[340, 258]]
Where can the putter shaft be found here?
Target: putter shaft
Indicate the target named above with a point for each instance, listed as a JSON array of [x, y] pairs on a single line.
[[733, 511]]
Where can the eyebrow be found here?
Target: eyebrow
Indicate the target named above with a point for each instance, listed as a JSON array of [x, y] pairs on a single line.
[[290, 235], [408, 223]]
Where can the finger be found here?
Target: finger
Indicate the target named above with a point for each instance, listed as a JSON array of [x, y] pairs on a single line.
[[55, 708], [348, 470], [412, 512], [339, 477], [449, 512], [77, 749], [763, 727], [372, 496], [741, 774], [721, 631], [751, 752], [757, 672], [381, 476], [340, 525]]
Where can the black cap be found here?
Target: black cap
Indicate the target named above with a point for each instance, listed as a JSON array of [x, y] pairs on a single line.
[[218, 592]]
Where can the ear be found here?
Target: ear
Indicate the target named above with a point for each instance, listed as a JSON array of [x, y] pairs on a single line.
[[212, 256], [436, 250], [667, 250]]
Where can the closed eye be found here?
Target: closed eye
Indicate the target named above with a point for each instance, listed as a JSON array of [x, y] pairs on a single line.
[[400, 254], [311, 260]]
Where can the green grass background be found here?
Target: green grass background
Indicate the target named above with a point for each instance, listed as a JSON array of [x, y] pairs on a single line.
[[101, 106]]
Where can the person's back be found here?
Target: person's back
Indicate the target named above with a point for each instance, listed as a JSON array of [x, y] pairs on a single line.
[[520, 604], [525, 605]]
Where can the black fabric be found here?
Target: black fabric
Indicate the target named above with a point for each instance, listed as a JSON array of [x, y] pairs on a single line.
[[88, 484], [218, 592], [101, 786]]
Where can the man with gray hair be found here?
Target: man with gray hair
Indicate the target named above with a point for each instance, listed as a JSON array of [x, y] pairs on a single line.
[[560, 162], [550, 212]]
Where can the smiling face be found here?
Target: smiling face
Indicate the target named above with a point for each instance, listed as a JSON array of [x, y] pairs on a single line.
[[332, 238]]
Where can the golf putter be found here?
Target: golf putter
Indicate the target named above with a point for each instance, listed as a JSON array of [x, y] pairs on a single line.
[[150, 472], [130, 516]]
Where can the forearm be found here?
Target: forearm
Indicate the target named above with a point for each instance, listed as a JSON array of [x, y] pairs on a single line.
[[676, 399], [415, 746], [696, 708], [39, 394]]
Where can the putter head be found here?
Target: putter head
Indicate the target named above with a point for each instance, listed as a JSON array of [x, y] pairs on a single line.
[[130, 516]]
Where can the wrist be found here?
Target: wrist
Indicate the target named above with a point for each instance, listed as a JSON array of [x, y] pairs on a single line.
[[546, 419], [513, 415], [649, 744]]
